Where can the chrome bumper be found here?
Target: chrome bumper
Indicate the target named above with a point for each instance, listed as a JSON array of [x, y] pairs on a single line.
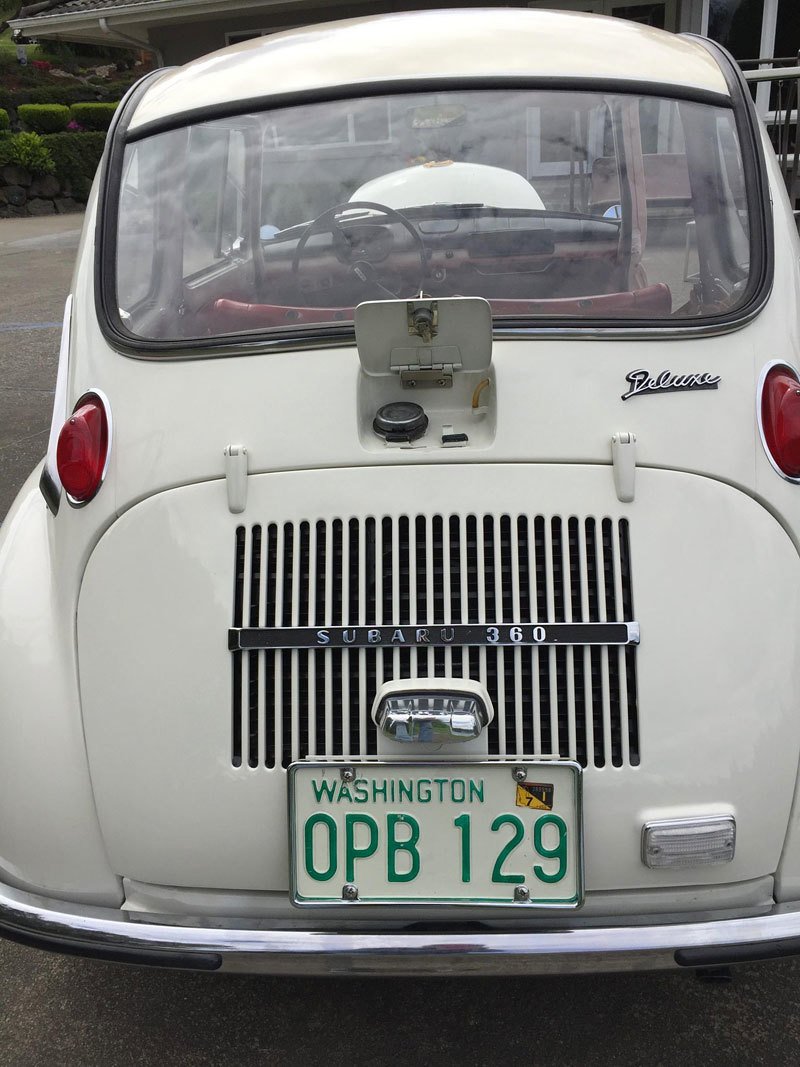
[[110, 934]]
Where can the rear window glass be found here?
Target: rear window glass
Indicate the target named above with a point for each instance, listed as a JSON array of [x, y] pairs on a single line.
[[551, 205]]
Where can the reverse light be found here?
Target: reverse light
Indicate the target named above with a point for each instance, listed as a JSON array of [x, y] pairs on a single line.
[[83, 448], [700, 842], [779, 418]]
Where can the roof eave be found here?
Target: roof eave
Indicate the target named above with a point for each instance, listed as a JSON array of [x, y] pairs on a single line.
[[154, 13]]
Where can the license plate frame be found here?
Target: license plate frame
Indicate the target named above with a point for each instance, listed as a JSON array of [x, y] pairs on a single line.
[[560, 776]]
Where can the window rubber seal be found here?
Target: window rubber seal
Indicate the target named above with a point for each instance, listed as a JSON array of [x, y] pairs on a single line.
[[261, 342]]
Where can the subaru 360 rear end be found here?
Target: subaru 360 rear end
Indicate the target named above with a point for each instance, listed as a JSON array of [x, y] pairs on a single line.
[[412, 582]]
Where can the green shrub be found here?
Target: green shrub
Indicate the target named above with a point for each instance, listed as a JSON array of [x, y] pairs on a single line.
[[8, 62], [62, 94], [29, 150], [5, 149], [44, 118], [76, 157], [5, 121], [94, 116], [57, 94], [115, 90]]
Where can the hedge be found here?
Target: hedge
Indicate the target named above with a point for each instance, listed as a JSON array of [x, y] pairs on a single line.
[[5, 121], [61, 94], [76, 157], [44, 118], [72, 157], [93, 116], [56, 94], [29, 151]]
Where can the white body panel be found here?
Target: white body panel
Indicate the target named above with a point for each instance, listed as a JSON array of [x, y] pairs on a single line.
[[43, 767], [396, 48], [717, 678]]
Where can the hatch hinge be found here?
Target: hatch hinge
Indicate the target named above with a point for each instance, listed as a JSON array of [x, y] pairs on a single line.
[[428, 376], [236, 477], [623, 458]]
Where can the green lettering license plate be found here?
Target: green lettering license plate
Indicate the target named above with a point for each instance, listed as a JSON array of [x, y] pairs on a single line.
[[479, 833]]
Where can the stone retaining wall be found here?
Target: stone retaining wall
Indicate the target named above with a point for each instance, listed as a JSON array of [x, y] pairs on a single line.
[[23, 193]]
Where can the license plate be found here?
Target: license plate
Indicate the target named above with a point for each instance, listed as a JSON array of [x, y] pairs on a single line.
[[455, 833]]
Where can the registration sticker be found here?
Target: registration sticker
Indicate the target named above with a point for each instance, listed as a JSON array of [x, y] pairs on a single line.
[[535, 795]]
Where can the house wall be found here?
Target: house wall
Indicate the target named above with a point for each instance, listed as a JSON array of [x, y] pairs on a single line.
[[179, 45]]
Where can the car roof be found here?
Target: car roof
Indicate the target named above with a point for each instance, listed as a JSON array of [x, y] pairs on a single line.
[[445, 45]]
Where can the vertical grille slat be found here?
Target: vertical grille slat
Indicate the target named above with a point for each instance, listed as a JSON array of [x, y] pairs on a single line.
[[362, 653], [516, 616], [327, 654], [312, 621], [254, 658], [533, 579], [497, 607], [238, 612], [550, 653], [423, 570], [430, 576], [603, 606], [569, 653], [278, 659], [344, 656]]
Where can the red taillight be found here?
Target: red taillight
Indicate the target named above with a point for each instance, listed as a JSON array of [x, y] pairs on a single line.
[[780, 418], [83, 448]]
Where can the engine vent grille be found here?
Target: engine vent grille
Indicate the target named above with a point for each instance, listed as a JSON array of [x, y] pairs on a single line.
[[577, 702]]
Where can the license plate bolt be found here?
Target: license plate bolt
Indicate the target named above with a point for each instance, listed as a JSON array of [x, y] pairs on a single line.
[[519, 774], [521, 894], [349, 891], [347, 774]]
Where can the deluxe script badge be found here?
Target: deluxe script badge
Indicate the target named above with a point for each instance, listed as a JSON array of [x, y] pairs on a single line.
[[643, 383]]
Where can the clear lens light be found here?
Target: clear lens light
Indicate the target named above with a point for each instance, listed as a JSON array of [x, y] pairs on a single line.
[[431, 717], [689, 842]]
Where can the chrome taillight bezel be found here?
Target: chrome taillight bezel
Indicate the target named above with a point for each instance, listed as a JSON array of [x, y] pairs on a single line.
[[765, 370], [97, 394]]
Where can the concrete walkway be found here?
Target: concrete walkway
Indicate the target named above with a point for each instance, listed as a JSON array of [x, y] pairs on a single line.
[[19, 235]]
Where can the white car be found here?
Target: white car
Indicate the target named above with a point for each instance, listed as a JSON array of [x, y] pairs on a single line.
[[412, 581]]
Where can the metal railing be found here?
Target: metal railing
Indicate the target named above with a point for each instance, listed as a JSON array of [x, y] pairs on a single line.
[[783, 115]]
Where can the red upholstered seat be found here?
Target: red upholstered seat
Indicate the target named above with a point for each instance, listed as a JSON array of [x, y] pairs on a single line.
[[654, 300], [229, 316]]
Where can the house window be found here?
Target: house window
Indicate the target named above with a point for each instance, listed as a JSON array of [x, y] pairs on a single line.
[[787, 30], [363, 122], [736, 24], [659, 13], [239, 37]]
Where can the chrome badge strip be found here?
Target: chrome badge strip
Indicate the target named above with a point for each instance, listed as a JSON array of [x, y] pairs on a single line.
[[521, 634]]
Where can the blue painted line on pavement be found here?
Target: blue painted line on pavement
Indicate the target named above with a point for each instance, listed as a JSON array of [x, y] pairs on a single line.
[[7, 327]]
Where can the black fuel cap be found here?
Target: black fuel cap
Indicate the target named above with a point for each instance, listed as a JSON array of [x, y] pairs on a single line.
[[400, 421]]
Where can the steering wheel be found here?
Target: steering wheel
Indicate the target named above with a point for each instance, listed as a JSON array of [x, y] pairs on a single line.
[[362, 268]]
